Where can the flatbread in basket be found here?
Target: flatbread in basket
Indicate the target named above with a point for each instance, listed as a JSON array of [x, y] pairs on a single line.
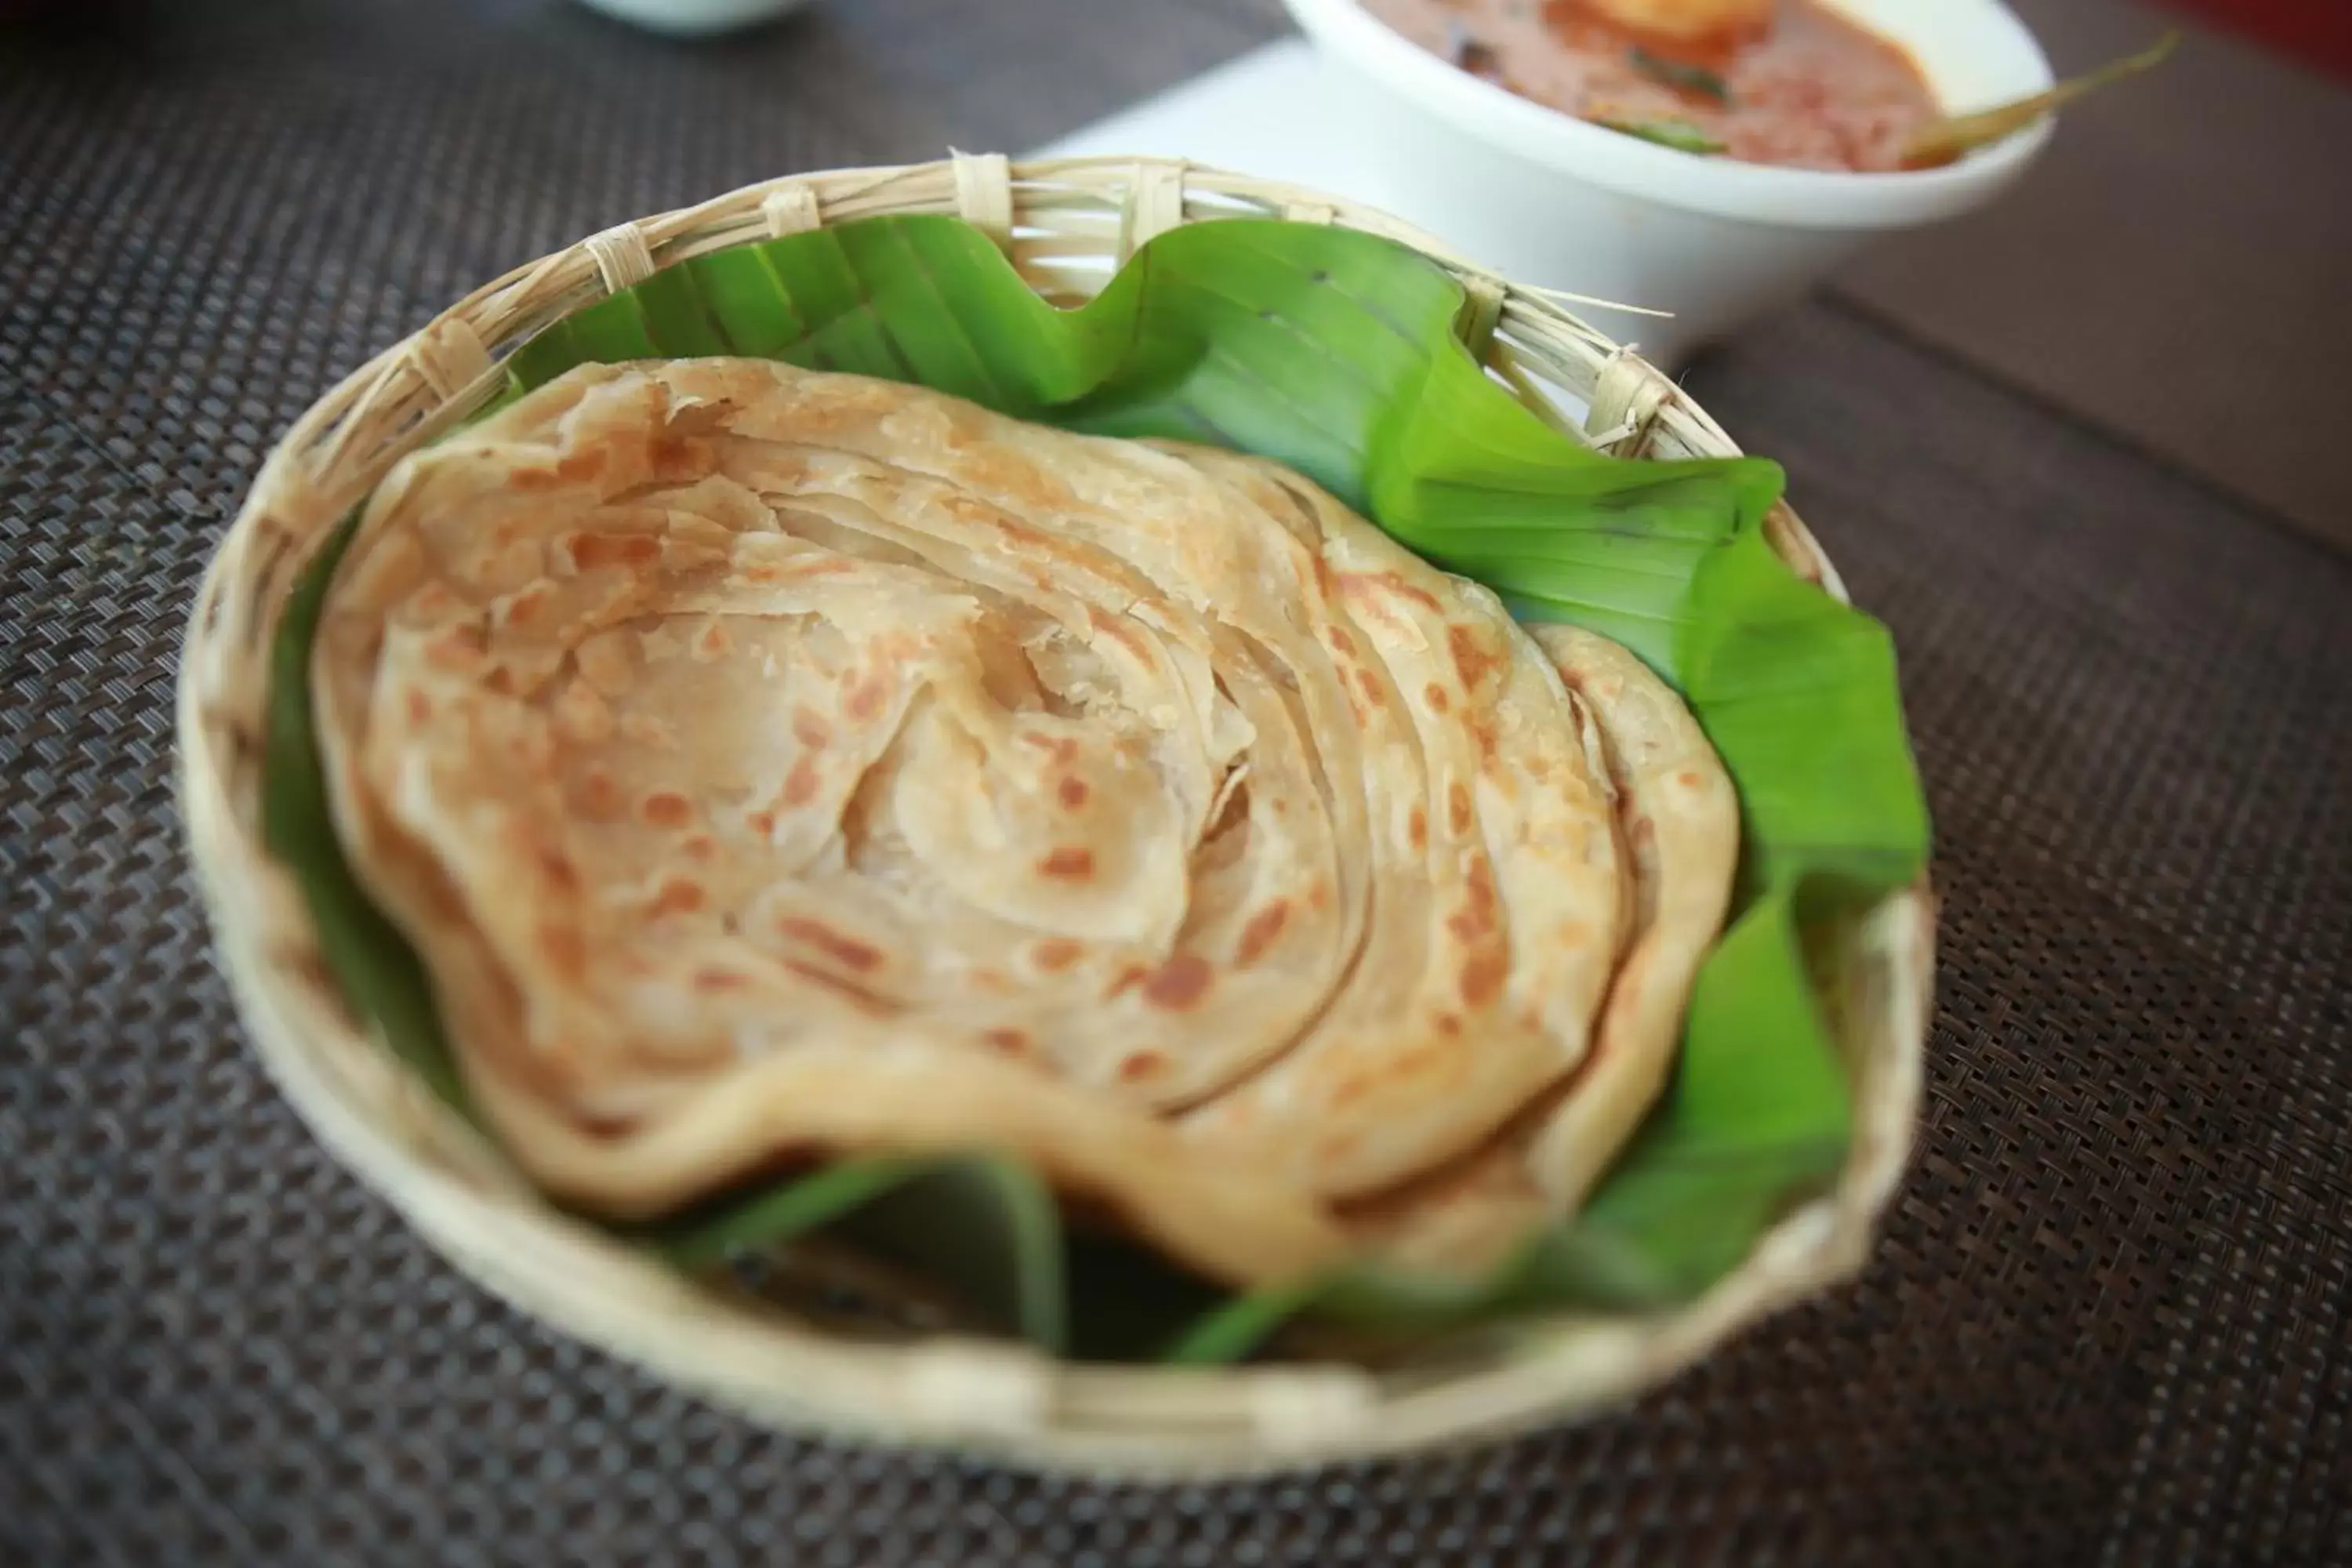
[[744, 784]]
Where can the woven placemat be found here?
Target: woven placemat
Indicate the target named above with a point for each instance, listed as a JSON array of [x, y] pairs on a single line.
[[2108, 1323]]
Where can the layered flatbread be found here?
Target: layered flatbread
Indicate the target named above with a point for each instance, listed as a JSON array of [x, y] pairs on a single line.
[[771, 764]]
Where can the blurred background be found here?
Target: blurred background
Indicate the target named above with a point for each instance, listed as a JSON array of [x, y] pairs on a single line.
[[2084, 451], [2170, 271]]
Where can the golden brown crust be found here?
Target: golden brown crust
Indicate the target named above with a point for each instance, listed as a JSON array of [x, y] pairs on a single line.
[[1679, 821], [747, 748]]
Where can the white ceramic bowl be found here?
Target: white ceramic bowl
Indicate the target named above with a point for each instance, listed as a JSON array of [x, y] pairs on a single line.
[[1548, 199], [694, 19]]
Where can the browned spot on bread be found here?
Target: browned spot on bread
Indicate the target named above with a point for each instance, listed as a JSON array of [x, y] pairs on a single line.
[[1690, 778], [531, 480], [842, 948], [1338, 1147], [667, 808], [1419, 1057], [1133, 975], [1482, 977], [1434, 695], [1062, 748], [1416, 827], [1073, 791], [1481, 883], [599, 1124], [1070, 863], [1260, 933], [592, 551], [964, 430], [585, 463], [600, 797], [557, 867], [993, 466], [713, 640], [1340, 640], [761, 822], [1449, 1024], [715, 980], [810, 728], [500, 680], [458, 648], [1056, 953], [701, 847], [853, 404], [1390, 582], [865, 701], [1476, 919], [1142, 1065], [673, 456], [800, 783], [524, 606], [443, 898], [1369, 685], [1118, 629], [972, 509], [1012, 1042], [1319, 896], [679, 896], [1328, 589], [565, 949], [420, 707], [995, 981], [865, 1001], [1180, 983], [1642, 833], [1458, 807], [784, 472], [1472, 662], [1483, 733]]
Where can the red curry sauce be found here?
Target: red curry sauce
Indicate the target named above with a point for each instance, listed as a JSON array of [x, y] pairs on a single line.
[[1816, 92]]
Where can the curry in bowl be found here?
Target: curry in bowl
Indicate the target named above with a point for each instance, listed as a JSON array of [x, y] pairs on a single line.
[[1788, 82]]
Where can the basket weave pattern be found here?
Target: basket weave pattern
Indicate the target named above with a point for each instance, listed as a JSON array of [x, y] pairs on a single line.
[[1067, 227]]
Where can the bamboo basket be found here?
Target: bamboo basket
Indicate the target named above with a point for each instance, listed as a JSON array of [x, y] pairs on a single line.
[[1066, 225]]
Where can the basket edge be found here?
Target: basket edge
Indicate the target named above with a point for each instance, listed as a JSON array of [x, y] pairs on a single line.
[[1282, 1429]]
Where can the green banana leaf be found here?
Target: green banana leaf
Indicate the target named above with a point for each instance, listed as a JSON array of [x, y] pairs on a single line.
[[957, 1221], [1334, 352], [379, 974]]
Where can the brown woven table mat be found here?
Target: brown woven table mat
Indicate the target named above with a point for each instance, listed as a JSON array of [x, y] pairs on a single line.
[[2108, 1325]]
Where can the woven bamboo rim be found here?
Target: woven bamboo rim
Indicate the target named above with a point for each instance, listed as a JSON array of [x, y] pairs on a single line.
[[1066, 225]]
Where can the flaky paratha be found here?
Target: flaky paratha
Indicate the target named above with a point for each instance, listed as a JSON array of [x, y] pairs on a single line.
[[770, 764], [1679, 820]]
